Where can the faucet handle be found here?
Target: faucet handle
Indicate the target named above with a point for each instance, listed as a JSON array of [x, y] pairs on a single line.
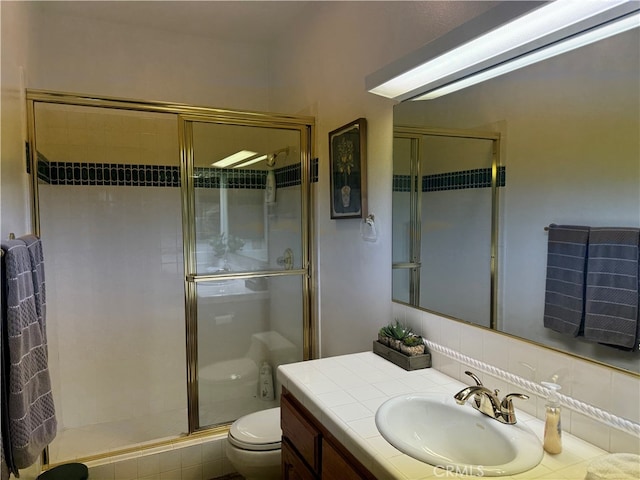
[[515, 395], [506, 407], [475, 377]]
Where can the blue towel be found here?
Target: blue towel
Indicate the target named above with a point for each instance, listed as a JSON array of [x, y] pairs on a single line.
[[564, 292], [611, 303], [32, 421]]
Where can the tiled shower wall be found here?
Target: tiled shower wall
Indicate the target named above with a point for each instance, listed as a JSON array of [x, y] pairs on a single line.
[[198, 459], [106, 243], [111, 227]]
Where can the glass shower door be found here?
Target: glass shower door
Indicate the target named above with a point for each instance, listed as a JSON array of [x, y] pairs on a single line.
[[248, 273], [110, 222], [456, 238], [406, 219]]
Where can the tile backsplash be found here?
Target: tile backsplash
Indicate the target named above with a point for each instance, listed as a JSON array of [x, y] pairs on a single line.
[[605, 388]]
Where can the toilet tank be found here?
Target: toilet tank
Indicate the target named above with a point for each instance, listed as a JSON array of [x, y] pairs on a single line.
[[274, 348]]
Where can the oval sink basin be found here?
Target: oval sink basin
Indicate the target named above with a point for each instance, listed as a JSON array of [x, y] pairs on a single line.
[[434, 429]]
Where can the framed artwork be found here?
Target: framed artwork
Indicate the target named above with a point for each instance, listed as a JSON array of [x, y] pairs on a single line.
[[347, 170]]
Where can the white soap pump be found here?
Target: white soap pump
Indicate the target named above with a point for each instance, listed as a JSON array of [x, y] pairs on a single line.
[[552, 424]]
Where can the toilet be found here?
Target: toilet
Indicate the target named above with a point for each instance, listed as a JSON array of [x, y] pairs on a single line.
[[254, 445], [237, 378]]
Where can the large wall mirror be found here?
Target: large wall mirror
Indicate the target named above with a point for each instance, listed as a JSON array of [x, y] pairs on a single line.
[[567, 152]]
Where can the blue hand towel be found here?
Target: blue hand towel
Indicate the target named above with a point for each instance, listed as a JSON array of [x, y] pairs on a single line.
[[564, 292], [611, 303], [32, 421]]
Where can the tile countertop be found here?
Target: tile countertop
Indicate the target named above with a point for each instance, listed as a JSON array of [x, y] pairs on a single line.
[[344, 393]]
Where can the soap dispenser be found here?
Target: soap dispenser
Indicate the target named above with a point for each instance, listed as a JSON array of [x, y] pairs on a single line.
[[552, 425]]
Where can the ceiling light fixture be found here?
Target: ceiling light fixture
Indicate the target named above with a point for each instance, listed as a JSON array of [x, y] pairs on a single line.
[[251, 162], [505, 38], [235, 158]]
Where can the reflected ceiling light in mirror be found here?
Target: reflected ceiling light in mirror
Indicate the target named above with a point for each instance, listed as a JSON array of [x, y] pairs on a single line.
[[507, 37], [235, 158], [251, 162]]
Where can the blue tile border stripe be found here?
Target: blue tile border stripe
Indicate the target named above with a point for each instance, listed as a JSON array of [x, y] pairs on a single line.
[[205, 177], [476, 178], [119, 174], [402, 183], [109, 174]]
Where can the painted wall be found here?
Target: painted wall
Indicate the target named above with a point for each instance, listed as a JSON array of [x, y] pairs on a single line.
[[318, 68], [14, 181], [86, 56]]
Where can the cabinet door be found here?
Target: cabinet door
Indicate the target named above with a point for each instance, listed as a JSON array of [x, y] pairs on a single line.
[[334, 465], [292, 467], [300, 432]]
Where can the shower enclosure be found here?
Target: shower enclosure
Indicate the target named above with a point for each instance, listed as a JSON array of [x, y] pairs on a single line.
[[444, 190], [177, 282]]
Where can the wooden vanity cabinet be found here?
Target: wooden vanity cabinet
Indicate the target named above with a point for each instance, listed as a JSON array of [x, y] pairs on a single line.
[[309, 451]]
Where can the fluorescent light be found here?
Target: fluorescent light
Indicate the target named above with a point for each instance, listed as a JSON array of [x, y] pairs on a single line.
[[488, 42], [235, 158], [251, 162], [609, 30]]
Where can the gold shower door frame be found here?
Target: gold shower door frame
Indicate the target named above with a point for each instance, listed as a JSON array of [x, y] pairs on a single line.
[[187, 114], [416, 134], [192, 278]]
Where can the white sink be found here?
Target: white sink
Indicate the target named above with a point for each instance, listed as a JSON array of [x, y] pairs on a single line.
[[434, 429]]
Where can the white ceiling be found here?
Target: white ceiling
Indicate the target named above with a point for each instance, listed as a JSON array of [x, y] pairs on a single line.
[[253, 21]]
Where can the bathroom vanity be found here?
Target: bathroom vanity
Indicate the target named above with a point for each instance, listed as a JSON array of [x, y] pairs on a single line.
[[309, 450], [328, 422]]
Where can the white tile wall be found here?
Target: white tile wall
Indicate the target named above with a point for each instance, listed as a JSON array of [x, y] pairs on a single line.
[[115, 314], [68, 133], [611, 390], [195, 459]]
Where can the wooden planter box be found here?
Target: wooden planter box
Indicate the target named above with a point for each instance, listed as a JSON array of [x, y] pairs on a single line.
[[415, 362]]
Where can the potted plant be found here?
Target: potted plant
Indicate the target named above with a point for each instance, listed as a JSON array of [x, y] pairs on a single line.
[[394, 335], [412, 345], [384, 336], [398, 344], [234, 243], [219, 245]]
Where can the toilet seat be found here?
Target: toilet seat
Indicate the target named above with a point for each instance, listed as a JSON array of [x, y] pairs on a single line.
[[258, 431]]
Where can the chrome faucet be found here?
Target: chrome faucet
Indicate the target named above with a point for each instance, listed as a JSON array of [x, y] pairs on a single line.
[[488, 402]]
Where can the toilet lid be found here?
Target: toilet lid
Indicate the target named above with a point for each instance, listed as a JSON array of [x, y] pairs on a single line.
[[257, 431]]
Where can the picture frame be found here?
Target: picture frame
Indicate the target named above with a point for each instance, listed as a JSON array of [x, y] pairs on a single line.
[[348, 170]]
